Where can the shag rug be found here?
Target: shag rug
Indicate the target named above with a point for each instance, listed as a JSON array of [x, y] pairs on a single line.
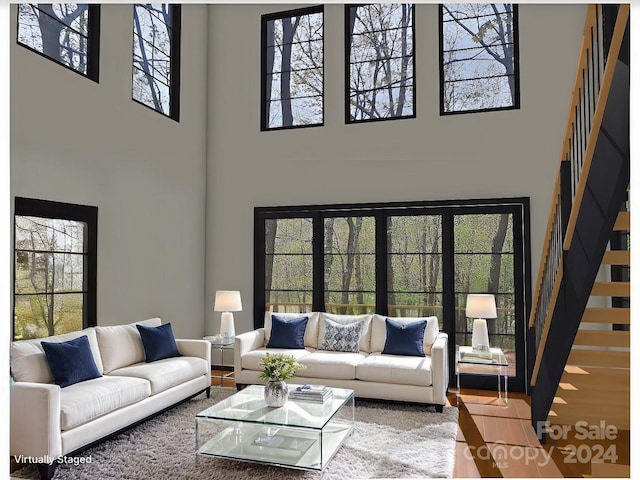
[[389, 440]]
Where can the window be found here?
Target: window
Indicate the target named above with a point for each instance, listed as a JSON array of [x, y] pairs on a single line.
[[156, 57], [54, 268], [293, 69], [380, 62], [479, 67], [67, 33], [402, 260]]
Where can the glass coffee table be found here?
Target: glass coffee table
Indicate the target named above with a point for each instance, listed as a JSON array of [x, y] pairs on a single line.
[[300, 434]]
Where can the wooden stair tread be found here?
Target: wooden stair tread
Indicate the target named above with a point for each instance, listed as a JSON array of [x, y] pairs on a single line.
[[611, 289], [610, 470], [607, 315], [616, 257], [623, 222], [597, 378], [602, 338], [599, 358]]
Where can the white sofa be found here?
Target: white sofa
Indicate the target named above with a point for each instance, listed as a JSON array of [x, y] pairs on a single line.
[[370, 373], [48, 422]]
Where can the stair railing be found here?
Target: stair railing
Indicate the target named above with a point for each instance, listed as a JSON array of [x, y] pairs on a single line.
[[590, 92]]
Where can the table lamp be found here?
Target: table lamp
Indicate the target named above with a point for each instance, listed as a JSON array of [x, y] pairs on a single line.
[[227, 301], [480, 307]]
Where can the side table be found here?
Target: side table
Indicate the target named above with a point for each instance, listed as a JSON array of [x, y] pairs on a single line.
[[469, 362], [224, 345]]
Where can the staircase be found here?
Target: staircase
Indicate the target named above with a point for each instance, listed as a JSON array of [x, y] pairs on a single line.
[[580, 318]]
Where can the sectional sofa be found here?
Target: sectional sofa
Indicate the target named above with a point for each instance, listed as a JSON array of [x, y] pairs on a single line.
[[49, 421], [370, 371]]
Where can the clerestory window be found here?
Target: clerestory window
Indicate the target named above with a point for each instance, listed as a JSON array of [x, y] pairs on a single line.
[[292, 69], [67, 33], [380, 81], [156, 57], [479, 66]]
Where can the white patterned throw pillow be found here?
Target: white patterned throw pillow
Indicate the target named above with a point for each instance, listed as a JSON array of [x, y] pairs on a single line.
[[342, 338]]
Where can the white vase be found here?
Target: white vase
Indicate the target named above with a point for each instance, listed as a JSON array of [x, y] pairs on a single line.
[[276, 393]]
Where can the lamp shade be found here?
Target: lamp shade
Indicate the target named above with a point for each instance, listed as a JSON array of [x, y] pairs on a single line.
[[228, 301], [481, 306]]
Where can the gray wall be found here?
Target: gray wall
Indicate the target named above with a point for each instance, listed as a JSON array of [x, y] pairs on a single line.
[[172, 194], [73, 140], [486, 155]]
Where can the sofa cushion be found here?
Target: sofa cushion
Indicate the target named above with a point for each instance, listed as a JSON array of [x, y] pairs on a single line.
[[405, 339], [158, 342], [334, 365], [342, 338], [379, 331], [311, 330], [84, 401], [166, 373], [71, 361], [402, 370], [121, 345], [29, 363], [252, 360], [365, 339], [287, 333]]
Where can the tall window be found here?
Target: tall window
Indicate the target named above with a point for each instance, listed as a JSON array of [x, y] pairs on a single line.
[[67, 33], [54, 268], [479, 67], [156, 57], [293, 69], [380, 62], [402, 260]]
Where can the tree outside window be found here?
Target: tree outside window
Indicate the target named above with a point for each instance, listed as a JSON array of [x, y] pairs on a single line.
[[66, 33], [478, 57], [381, 70], [156, 53], [54, 268], [293, 69]]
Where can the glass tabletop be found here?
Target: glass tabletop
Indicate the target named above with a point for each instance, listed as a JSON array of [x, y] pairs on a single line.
[[248, 405], [465, 354]]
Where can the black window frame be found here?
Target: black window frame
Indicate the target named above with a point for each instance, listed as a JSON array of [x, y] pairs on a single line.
[[68, 211], [93, 44], [264, 121], [519, 206], [516, 67], [175, 60], [347, 68]]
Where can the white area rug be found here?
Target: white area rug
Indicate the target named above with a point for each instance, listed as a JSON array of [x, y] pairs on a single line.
[[390, 440]]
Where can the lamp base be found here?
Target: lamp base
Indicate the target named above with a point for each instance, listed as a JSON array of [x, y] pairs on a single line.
[[227, 327]]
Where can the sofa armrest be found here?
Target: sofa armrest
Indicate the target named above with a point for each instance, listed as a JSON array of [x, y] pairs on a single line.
[[196, 348], [440, 368], [245, 343], [35, 420]]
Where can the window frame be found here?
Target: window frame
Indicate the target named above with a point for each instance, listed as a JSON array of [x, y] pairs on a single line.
[[67, 211], [519, 206], [264, 127], [93, 44], [175, 61], [516, 66], [347, 68]]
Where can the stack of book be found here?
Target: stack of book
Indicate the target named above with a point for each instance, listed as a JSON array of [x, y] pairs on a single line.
[[468, 353], [310, 393]]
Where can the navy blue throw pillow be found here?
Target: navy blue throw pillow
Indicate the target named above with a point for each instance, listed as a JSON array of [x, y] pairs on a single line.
[[158, 342], [405, 339], [71, 362], [287, 333]]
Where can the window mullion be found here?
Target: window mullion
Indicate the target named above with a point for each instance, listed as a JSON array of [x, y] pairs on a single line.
[[318, 262], [382, 251]]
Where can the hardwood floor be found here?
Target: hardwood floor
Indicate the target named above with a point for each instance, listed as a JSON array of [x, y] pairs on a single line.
[[497, 440]]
